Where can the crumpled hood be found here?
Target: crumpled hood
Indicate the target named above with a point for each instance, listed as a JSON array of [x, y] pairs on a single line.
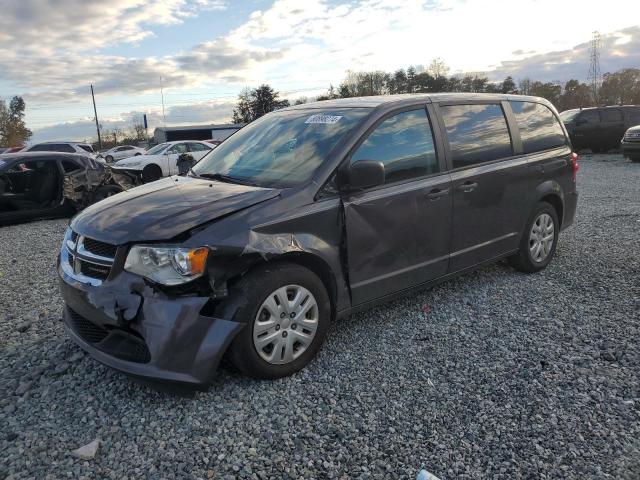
[[163, 209]]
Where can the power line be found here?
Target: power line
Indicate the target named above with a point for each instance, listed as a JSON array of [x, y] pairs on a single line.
[[594, 65]]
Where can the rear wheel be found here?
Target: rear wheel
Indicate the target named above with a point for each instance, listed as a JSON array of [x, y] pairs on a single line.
[[539, 240], [151, 173], [287, 312]]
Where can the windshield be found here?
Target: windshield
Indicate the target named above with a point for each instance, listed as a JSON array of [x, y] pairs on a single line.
[[568, 115], [281, 149], [157, 149]]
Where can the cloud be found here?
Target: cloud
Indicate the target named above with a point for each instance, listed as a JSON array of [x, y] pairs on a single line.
[[574, 63]]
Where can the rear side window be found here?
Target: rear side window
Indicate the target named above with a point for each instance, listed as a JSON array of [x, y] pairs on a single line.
[[69, 166], [52, 147], [589, 116], [86, 148], [611, 115], [539, 128], [404, 144], [477, 133]]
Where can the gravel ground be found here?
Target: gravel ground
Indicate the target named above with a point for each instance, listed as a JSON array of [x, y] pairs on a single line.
[[493, 375]]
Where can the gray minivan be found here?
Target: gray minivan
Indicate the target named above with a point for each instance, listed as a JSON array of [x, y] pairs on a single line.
[[307, 214]]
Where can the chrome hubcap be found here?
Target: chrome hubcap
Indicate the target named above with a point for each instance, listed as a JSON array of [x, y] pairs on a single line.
[[541, 237], [285, 324]]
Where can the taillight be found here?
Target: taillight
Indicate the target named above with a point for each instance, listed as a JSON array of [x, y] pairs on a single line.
[[574, 166]]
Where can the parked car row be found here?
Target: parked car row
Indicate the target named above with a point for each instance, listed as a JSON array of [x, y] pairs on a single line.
[[600, 128], [37, 185], [310, 213]]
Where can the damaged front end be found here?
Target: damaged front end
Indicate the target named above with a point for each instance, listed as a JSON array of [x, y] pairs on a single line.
[[84, 187], [134, 326]]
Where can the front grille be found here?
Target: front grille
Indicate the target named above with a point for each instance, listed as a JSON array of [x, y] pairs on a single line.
[[119, 343], [94, 270], [87, 330], [99, 248], [90, 258]]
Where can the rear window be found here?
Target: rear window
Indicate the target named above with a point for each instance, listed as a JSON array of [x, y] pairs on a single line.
[[477, 133], [539, 128]]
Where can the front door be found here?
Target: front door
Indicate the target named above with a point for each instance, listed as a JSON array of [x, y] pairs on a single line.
[[398, 233], [172, 157]]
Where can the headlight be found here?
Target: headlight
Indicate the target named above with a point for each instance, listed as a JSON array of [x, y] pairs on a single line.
[[167, 265]]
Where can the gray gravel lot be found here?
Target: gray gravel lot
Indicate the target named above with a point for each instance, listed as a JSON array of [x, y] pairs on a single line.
[[493, 375]]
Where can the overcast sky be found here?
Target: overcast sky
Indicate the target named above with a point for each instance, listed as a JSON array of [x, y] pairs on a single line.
[[206, 51]]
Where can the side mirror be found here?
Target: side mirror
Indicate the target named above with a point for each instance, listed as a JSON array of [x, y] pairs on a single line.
[[364, 174]]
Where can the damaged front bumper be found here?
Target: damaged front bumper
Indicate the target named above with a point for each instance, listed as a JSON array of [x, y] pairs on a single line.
[[129, 326]]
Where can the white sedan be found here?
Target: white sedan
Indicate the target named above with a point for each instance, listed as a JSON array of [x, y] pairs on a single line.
[[123, 151], [162, 160]]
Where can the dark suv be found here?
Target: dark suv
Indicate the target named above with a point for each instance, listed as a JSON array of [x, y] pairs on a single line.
[[307, 214], [599, 128]]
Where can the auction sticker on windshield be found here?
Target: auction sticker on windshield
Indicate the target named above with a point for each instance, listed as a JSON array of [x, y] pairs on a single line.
[[326, 119]]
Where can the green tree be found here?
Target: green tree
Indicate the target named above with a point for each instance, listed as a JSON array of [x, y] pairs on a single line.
[[13, 131], [621, 87], [550, 91], [575, 95], [254, 103]]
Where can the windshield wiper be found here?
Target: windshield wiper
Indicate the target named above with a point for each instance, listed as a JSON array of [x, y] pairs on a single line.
[[223, 178]]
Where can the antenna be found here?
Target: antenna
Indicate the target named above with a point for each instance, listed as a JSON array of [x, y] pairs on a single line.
[[95, 112], [594, 67], [164, 119]]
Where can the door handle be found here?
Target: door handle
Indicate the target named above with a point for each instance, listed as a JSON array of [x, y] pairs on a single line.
[[467, 186], [436, 193]]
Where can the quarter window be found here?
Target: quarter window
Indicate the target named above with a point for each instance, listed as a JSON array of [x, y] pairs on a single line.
[[477, 133], [404, 144], [539, 128]]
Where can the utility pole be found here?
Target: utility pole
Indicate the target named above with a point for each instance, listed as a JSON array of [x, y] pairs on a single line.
[[164, 119], [95, 112], [594, 66]]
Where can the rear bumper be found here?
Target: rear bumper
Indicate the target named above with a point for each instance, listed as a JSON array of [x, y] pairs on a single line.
[[569, 214], [630, 148], [128, 326]]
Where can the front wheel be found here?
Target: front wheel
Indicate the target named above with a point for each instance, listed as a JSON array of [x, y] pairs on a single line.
[[151, 173], [287, 313], [108, 159], [539, 240]]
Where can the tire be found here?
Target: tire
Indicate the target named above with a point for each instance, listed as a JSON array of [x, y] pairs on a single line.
[[108, 159], [524, 260], [251, 293], [105, 191], [151, 173], [635, 159]]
